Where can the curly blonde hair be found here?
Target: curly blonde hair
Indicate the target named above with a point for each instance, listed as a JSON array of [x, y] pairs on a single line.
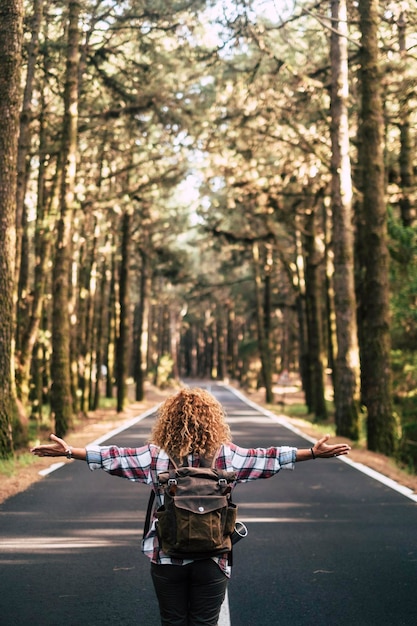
[[192, 420]]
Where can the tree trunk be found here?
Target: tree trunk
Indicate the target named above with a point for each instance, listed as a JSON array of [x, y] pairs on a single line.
[[313, 262], [110, 348], [347, 370], [221, 344], [263, 325], [23, 163], [408, 211], [373, 256], [142, 329], [122, 357], [61, 395], [101, 316], [232, 344], [11, 18], [26, 337], [174, 341], [301, 309]]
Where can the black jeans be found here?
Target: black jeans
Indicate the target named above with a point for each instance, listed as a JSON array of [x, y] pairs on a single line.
[[189, 595]]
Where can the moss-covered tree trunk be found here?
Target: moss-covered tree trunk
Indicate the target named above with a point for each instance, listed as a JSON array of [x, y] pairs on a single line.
[[372, 249], [61, 394], [347, 371], [23, 171], [11, 18], [26, 359]]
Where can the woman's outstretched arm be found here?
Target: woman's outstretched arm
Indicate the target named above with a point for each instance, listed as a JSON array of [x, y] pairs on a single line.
[[59, 448], [321, 450]]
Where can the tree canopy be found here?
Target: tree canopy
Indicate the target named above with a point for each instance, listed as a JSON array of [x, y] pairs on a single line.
[[215, 189]]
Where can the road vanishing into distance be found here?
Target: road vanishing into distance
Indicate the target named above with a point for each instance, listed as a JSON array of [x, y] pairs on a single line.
[[327, 544]]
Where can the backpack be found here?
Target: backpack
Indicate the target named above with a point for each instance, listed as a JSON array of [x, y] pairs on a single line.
[[197, 516]]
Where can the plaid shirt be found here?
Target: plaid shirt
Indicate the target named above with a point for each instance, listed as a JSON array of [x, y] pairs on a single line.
[[143, 465]]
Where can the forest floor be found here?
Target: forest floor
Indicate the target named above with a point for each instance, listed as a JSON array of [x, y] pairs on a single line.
[[104, 420]]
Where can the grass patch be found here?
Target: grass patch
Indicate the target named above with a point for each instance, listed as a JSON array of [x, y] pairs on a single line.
[[9, 467], [107, 403], [296, 410]]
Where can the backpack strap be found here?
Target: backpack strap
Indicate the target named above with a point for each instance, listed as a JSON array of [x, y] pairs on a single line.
[[152, 496], [149, 509], [173, 462], [215, 457]]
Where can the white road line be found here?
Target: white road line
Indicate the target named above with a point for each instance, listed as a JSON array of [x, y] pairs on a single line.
[[50, 469], [281, 419], [124, 426], [224, 618]]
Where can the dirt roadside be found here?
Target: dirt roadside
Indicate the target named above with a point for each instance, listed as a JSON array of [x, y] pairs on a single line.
[[103, 421]]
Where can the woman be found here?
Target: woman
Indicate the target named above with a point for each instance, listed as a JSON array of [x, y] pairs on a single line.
[[190, 428]]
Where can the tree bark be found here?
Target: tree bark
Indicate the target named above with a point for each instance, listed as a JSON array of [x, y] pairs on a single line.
[[122, 351], [142, 328], [408, 211], [61, 394], [11, 32], [221, 344], [314, 317], [372, 249], [263, 325], [101, 316], [347, 370], [111, 330], [23, 167]]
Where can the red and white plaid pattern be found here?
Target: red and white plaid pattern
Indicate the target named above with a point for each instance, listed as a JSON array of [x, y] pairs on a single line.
[[143, 465]]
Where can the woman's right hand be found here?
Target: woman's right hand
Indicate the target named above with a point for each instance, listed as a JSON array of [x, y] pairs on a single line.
[[58, 448]]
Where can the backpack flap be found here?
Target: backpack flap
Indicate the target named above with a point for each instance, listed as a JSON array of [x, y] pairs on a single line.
[[200, 505]]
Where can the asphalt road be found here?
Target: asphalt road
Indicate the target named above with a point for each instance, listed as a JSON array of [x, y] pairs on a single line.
[[327, 545]]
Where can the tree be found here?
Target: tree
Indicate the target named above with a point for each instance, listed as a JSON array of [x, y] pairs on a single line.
[[61, 394], [11, 32], [407, 206], [372, 249], [23, 164], [263, 319], [122, 348], [347, 371], [314, 267]]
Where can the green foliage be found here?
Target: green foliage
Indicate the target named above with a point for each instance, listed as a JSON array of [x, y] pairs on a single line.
[[403, 270], [20, 432], [404, 369], [107, 403], [163, 378], [403, 276], [9, 467], [210, 123]]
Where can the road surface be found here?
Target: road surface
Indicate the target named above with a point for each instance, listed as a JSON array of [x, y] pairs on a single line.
[[327, 544]]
